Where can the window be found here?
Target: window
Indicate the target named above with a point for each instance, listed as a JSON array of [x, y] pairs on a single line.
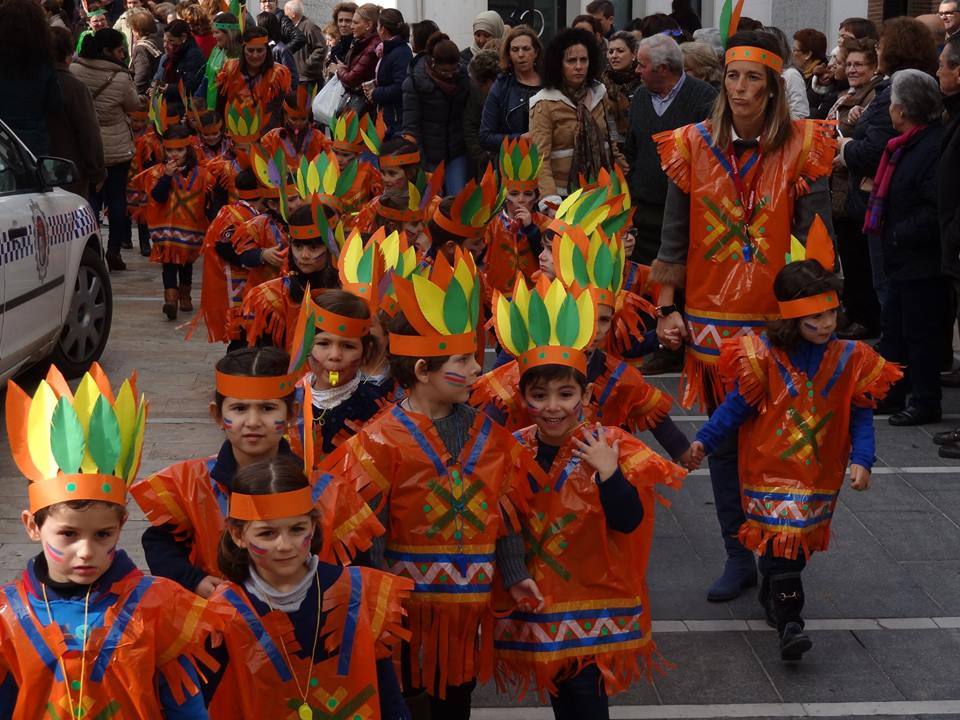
[[17, 172]]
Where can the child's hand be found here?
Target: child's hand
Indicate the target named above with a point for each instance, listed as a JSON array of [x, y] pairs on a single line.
[[595, 451], [859, 477], [206, 587], [526, 594], [171, 168], [523, 216], [272, 256], [692, 456]]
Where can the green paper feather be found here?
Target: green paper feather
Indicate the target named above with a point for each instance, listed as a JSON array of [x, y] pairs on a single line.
[[603, 267], [474, 301], [580, 273], [518, 330], [365, 266], [471, 207], [104, 436], [347, 177], [66, 437], [617, 278], [539, 320], [456, 308], [568, 322]]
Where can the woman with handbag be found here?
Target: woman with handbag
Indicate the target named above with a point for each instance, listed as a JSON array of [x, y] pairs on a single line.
[[361, 64]]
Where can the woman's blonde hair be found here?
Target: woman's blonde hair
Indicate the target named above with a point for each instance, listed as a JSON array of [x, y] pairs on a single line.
[[777, 127]]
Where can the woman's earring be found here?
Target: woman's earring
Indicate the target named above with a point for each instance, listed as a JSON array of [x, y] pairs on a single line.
[[771, 94]]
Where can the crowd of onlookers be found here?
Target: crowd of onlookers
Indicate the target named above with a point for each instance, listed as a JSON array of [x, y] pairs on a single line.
[[590, 99]]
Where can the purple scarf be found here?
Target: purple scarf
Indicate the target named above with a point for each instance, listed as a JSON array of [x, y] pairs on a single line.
[[877, 202]]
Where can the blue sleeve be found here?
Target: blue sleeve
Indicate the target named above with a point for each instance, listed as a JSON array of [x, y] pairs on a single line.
[[641, 346], [392, 706], [621, 503], [733, 412], [671, 438], [862, 154], [503, 357], [862, 438], [391, 93], [192, 708], [169, 557], [8, 696], [490, 136], [161, 191]]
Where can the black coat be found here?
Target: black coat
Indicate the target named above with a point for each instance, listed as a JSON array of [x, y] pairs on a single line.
[[391, 72], [862, 155], [910, 232], [190, 66], [506, 112], [434, 118], [947, 185], [290, 34]]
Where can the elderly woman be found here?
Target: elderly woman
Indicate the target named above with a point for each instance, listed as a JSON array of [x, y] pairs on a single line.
[[621, 81], [861, 309], [700, 61], [568, 121], [902, 214], [809, 56], [741, 184], [506, 111]]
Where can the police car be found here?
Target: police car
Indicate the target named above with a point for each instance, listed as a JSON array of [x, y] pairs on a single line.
[[57, 302]]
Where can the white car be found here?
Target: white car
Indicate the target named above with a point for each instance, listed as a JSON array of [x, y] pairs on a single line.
[[57, 302]]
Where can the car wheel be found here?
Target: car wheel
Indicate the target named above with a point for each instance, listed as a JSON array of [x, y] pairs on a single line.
[[87, 325]]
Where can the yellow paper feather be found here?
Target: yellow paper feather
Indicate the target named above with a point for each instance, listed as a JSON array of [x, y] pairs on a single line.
[[552, 301], [126, 411], [588, 320], [138, 442], [503, 324], [526, 167], [38, 429], [430, 299], [570, 200], [350, 255], [797, 250], [466, 279], [83, 402], [521, 298]]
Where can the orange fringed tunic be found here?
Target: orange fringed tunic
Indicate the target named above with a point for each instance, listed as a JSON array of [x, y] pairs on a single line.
[[620, 396], [508, 252], [178, 225], [152, 627], [147, 151], [267, 90], [794, 451], [592, 578], [312, 144], [729, 274], [269, 310], [444, 515], [186, 497], [362, 620], [368, 185]]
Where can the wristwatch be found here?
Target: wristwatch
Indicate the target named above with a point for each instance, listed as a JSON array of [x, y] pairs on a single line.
[[664, 310]]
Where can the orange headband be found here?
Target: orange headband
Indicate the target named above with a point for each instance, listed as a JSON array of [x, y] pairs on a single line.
[[604, 297], [271, 387], [404, 215], [80, 486], [813, 305], [273, 506], [304, 232], [456, 228], [341, 325], [215, 126], [553, 355], [178, 143], [295, 112], [259, 41], [434, 345], [521, 184], [757, 55], [249, 194], [356, 147], [400, 160]]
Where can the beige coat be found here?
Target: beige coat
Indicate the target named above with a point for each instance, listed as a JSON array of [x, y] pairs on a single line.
[[114, 95], [553, 125]]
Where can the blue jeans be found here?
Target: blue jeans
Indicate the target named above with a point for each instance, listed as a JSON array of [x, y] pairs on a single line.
[[725, 479], [113, 194], [455, 175], [582, 697]]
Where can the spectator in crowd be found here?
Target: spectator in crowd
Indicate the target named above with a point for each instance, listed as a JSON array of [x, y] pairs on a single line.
[[54, 12], [659, 23], [833, 83], [313, 55], [200, 28], [949, 12], [809, 56], [710, 36], [102, 68], [165, 13], [602, 11], [904, 44], [700, 60], [147, 48], [792, 79], [668, 99], [935, 26], [902, 213], [568, 120], [360, 65], [182, 60], [685, 15], [949, 210], [254, 78], [506, 112], [123, 25], [29, 92], [343, 13], [92, 19], [74, 133], [387, 94], [226, 31], [434, 97], [861, 317], [422, 32], [487, 32], [621, 80], [281, 53], [292, 38], [482, 70]]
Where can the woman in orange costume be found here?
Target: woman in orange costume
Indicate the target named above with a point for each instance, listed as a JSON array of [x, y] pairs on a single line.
[[83, 633], [301, 634], [186, 503], [590, 529], [803, 402], [254, 79], [740, 184]]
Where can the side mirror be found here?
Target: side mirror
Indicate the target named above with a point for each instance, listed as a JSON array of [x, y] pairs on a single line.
[[56, 172]]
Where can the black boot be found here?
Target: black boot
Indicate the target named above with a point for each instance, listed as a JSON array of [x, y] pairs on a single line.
[[786, 599], [764, 598]]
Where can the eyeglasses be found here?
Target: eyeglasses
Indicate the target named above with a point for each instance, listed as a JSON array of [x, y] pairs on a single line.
[[948, 13]]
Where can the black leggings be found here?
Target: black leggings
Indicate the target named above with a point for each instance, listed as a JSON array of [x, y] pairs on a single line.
[[175, 275]]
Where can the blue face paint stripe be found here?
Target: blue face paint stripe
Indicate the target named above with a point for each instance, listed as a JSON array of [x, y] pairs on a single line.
[[841, 366], [350, 626], [261, 634], [112, 640], [421, 440], [26, 620]]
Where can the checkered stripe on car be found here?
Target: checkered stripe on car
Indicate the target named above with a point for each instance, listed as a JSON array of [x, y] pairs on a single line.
[[62, 227]]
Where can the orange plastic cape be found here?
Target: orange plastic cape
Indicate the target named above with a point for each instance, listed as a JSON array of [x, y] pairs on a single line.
[[363, 622], [368, 185], [268, 90], [148, 150], [508, 253], [794, 451], [177, 226], [593, 578], [619, 396], [730, 271], [154, 627], [269, 310], [444, 516], [278, 138]]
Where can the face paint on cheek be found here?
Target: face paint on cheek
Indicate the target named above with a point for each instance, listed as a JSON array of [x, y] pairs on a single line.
[[257, 550], [112, 551], [455, 379], [279, 426], [305, 543], [533, 412], [811, 328], [53, 553], [227, 424], [577, 410]]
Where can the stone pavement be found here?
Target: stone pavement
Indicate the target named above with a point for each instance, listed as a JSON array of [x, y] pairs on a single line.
[[883, 605]]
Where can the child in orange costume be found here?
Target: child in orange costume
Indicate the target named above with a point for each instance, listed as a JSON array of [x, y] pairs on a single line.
[[803, 402], [186, 503], [296, 138], [589, 534], [321, 644], [449, 484], [83, 633], [347, 143]]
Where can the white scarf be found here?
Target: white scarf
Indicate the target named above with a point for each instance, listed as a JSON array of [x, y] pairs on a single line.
[[289, 601], [327, 399]]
